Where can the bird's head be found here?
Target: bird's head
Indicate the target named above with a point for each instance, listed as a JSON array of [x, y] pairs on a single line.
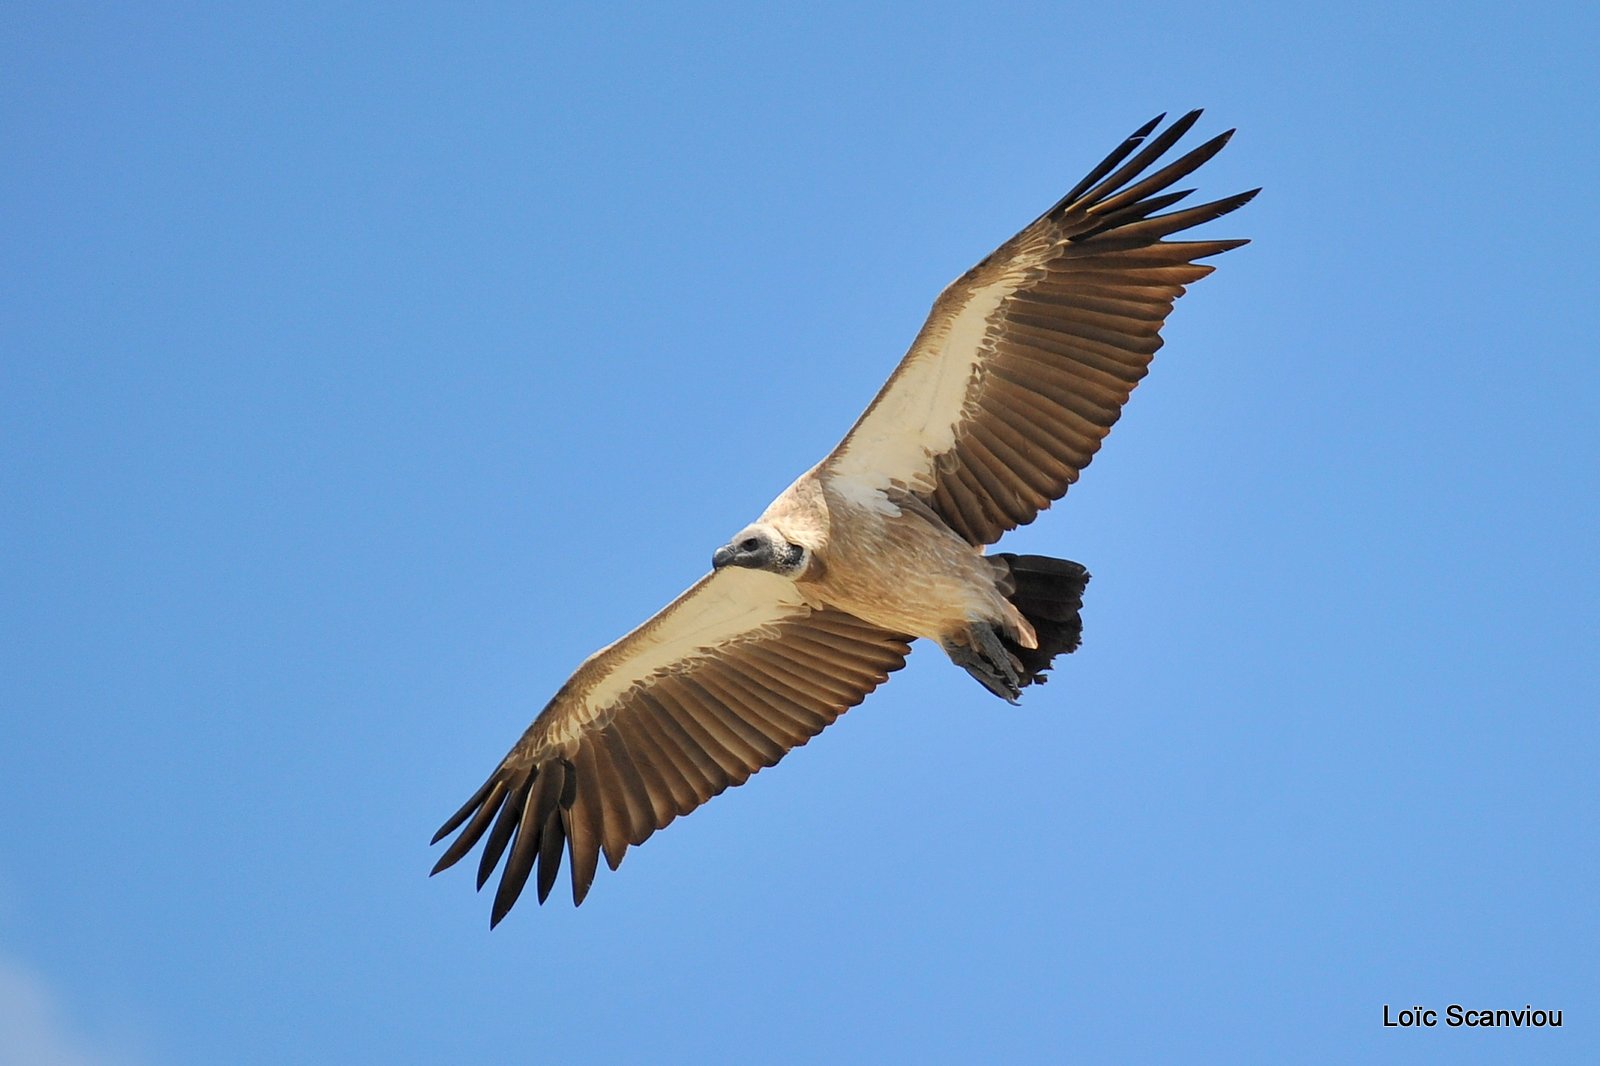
[[761, 547]]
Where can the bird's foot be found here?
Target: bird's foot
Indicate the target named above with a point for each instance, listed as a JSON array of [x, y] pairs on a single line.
[[987, 659]]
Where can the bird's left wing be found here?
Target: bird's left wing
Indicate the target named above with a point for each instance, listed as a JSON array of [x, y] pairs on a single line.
[[722, 682], [1026, 359]]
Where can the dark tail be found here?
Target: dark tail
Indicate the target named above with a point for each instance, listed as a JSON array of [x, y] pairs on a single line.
[[1049, 593]]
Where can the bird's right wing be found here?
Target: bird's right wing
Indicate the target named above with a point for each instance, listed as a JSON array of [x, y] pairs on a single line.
[[722, 682]]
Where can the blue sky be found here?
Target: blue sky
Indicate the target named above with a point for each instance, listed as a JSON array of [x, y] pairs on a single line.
[[364, 368]]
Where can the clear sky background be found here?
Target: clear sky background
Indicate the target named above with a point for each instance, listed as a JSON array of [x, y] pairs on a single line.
[[364, 367]]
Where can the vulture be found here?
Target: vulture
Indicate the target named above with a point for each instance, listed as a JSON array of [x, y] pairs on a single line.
[[1020, 371]]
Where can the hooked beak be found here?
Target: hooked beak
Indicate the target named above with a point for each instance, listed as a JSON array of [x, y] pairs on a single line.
[[722, 557]]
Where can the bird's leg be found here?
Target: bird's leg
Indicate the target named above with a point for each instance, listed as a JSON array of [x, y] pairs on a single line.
[[990, 646], [984, 657]]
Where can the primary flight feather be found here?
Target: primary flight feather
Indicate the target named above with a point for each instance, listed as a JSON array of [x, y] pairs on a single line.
[[1020, 371]]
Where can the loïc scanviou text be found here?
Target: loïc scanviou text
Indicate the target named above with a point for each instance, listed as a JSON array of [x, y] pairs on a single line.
[[1458, 1016]]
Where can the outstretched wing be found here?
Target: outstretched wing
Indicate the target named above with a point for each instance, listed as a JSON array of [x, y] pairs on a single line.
[[1026, 360], [722, 682]]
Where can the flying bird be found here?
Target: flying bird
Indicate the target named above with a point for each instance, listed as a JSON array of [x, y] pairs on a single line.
[[1020, 371]]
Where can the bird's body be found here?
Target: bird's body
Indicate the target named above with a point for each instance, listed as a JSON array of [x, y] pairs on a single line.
[[1023, 365], [887, 559]]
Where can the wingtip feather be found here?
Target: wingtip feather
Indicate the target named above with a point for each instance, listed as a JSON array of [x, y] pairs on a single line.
[[1144, 131]]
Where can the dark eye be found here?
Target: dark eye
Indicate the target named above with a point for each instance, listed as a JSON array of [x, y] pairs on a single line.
[[749, 544]]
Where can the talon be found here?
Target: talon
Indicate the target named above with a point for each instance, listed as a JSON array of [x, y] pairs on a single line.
[[988, 660], [995, 652]]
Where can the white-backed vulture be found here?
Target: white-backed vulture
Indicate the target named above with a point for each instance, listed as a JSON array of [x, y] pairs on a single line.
[[1020, 371]]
